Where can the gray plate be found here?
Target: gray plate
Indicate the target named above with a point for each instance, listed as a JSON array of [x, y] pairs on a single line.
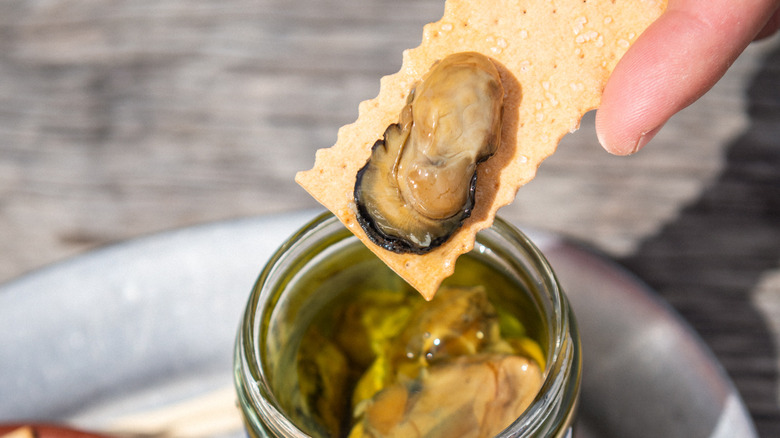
[[149, 324]]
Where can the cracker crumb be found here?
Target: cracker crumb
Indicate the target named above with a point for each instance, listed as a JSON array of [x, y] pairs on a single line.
[[587, 36], [551, 98], [579, 24]]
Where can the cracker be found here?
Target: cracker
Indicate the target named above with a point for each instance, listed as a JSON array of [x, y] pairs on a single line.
[[554, 58]]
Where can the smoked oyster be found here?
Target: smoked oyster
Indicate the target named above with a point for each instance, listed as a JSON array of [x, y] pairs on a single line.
[[454, 341], [418, 186], [492, 391]]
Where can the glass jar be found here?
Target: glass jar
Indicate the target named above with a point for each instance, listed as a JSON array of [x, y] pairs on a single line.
[[323, 260]]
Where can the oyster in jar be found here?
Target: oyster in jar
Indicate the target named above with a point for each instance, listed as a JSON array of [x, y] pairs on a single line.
[[419, 184], [493, 390], [458, 333], [459, 322]]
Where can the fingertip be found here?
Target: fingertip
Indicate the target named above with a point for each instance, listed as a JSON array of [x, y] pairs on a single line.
[[605, 139], [613, 134], [645, 138], [622, 143], [633, 103]]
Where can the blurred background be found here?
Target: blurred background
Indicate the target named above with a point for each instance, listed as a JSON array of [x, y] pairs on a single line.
[[124, 119]]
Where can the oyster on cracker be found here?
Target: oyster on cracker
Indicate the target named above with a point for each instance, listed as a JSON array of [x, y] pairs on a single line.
[[419, 184]]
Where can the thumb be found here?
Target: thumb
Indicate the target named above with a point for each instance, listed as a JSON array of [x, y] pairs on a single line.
[[673, 63]]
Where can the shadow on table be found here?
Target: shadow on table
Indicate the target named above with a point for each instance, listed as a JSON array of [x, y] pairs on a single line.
[[709, 260]]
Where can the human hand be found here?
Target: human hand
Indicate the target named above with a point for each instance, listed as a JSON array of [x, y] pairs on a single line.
[[674, 62]]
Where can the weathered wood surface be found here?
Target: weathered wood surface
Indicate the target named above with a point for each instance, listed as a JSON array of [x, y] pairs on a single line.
[[120, 119]]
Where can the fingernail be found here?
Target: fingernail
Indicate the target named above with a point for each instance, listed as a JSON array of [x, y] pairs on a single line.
[[645, 138]]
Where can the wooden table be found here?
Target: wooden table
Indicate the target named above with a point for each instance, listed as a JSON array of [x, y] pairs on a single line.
[[121, 119]]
